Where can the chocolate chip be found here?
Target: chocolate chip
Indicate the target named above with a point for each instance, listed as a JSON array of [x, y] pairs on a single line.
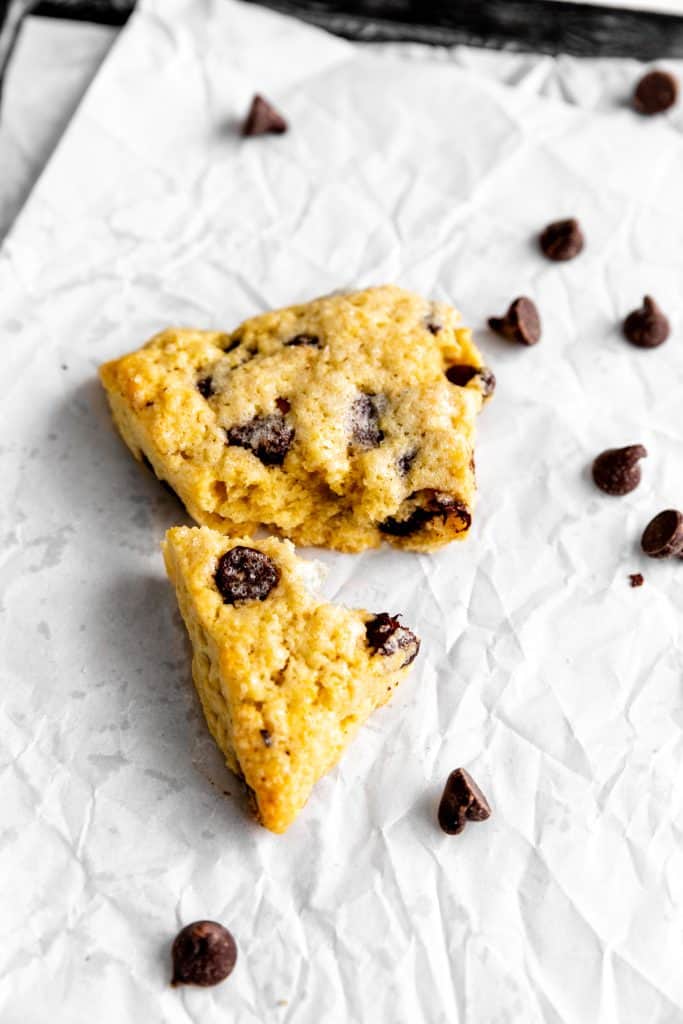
[[663, 535], [266, 737], [283, 404], [636, 579], [268, 437], [655, 92], [646, 327], [562, 240], [434, 328], [617, 470], [405, 462], [487, 381], [245, 574], [243, 350], [462, 801], [422, 507], [205, 387], [304, 339], [462, 374], [386, 636], [263, 118], [364, 421], [204, 953], [521, 322], [407, 526]]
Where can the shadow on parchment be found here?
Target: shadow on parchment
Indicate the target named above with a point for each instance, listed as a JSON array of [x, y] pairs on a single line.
[[112, 503]]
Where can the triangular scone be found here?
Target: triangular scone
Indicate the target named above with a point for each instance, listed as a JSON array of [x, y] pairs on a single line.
[[342, 422], [285, 679]]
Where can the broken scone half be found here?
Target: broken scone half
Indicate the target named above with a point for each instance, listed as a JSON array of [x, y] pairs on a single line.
[[285, 679], [342, 422]]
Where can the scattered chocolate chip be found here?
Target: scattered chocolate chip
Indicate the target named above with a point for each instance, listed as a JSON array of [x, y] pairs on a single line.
[[646, 327], [663, 535], [232, 344], [263, 118], [205, 387], [655, 92], [268, 437], [386, 635], [462, 374], [434, 328], [617, 470], [562, 240], [304, 339], [462, 801], [245, 574], [266, 737], [521, 322], [405, 462], [283, 404], [204, 953], [364, 421], [636, 579], [423, 506]]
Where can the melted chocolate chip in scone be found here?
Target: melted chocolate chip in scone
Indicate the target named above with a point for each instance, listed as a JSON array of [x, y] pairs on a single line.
[[386, 636], [305, 420], [285, 679], [364, 420], [483, 377], [268, 437], [245, 574], [311, 340], [421, 508], [404, 463], [205, 387]]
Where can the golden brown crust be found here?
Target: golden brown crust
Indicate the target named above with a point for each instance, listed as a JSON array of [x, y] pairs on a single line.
[[361, 425], [285, 682]]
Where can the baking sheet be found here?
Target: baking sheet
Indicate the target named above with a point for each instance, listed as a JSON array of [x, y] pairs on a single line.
[[542, 671]]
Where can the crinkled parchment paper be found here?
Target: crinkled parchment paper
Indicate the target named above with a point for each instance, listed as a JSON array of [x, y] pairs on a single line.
[[542, 671]]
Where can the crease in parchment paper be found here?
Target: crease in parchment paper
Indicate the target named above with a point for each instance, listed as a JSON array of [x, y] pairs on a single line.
[[541, 671]]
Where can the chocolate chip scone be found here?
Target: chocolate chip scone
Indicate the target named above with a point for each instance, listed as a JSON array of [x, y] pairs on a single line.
[[341, 422], [285, 679]]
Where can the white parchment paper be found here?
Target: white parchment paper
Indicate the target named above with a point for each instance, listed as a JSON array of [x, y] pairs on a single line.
[[542, 671]]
